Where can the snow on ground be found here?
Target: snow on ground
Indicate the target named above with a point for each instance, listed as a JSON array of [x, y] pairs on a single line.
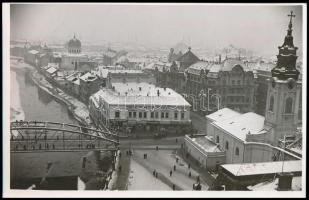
[[16, 110], [80, 184], [141, 179], [163, 161]]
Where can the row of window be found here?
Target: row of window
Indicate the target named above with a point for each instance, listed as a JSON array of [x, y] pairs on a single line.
[[133, 114], [227, 146]]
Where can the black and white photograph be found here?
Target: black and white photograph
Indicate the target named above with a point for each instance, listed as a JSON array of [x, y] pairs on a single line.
[[154, 99]]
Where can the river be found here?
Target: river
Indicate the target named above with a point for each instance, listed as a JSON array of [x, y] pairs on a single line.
[[29, 102]]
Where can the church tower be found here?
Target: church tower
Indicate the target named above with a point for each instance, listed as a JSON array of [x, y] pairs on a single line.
[[283, 92]]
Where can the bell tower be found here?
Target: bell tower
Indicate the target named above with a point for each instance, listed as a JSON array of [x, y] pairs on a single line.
[[283, 92]]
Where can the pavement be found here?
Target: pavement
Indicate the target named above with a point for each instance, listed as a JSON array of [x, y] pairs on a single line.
[[142, 179], [163, 161]]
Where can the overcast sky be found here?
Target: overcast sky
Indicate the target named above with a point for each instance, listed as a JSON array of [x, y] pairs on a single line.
[[261, 28]]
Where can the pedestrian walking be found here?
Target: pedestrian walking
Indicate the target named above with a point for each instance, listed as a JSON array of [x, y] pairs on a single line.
[[177, 160], [189, 174], [171, 172], [157, 148], [119, 154], [176, 140], [154, 172], [174, 187], [189, 166], [174, 167]]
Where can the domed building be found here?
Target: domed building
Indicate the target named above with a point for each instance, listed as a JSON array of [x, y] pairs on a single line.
[[74, 45], [74, 59]]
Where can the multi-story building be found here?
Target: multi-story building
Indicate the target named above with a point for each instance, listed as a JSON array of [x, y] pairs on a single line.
[[141, 104], [250, 137], [230, 83]]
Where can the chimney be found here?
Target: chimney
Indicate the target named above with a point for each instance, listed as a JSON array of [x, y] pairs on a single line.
[[285, 181], [158, 92], [220, 59]]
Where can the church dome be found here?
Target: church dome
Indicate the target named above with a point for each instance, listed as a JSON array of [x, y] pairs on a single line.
[[74, 45], [74, 42]]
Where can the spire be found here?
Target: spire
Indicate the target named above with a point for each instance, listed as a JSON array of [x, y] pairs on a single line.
[[286, 65]]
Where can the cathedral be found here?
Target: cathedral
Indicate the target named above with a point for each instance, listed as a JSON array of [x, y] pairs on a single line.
[[250, 137]]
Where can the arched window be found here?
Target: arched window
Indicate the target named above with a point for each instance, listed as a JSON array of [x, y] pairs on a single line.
[[271, 103], [288, 105], [218, 139], [226, 145], [237, 151]]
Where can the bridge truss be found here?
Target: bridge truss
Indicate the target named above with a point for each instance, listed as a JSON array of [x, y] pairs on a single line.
[[30, 136]]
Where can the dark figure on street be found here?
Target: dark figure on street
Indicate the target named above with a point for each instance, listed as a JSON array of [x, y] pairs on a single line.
[[157, 148], [154, 172], [174, 167], [189, 166], [171, 172], [189, 174], [177, 160], [198, 179], [176, 140], [174, 187], [119, 154], [120, 168]]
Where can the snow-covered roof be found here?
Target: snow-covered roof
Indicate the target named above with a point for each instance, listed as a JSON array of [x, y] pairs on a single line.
[[273, 185], [141, 94], [222, 114], [52, 70], [247, 169], [241, 125], [88, 77], [33, 52], [206, 144]]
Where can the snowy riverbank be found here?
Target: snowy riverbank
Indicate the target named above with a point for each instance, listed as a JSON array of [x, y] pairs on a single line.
[[16, 110], [79, 110]]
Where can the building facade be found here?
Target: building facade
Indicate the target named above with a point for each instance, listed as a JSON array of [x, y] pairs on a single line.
[[230, 83]]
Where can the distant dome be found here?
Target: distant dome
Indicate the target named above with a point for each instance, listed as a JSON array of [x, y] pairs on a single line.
[[74, 45], [74, 42]]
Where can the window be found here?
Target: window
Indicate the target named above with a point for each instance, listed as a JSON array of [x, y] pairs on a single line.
[[233, 82], [162, 114], [238, 82], [166, 115], [182, 115], [117, 114], [140, 114], [237, 151], [145, 114], [218, 139], [227, 145], [134, 114], [175, 115], [130, 114], [157, 115], [288, 105], [271, 103], [152, 114]]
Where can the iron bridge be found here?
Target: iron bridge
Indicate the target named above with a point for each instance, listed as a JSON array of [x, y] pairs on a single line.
[[38, 136]]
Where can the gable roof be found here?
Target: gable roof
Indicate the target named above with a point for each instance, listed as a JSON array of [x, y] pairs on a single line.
[[188, 57]]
